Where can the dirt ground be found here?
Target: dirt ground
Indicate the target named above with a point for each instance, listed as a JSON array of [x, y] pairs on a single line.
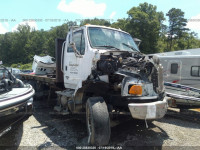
[[46, 131]]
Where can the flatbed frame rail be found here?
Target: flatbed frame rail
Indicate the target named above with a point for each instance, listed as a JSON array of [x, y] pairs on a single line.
[[41, 78]]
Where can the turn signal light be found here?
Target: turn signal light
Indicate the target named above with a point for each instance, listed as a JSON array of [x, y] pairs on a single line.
[[136, 90]]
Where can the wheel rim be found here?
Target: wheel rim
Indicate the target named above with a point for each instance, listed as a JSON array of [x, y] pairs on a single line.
[[89, 125]]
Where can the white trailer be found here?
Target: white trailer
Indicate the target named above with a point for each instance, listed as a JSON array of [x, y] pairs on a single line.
[[195, 51], [181, 69]]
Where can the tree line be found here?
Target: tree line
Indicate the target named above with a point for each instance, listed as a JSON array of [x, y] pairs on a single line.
[[143, 22]]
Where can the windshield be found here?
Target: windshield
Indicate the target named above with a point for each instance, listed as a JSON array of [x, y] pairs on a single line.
[[111, 39]]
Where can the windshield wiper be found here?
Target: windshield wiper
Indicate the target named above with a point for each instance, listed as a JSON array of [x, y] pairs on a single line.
[[131, 47], [108, 46]]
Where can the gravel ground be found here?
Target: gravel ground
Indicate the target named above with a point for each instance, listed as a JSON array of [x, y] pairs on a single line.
[[44, 130]]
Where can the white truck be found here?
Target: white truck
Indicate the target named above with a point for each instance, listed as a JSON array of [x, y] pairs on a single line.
[[100, 71]]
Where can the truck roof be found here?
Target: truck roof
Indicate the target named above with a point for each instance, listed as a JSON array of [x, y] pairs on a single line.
[[180, 56]]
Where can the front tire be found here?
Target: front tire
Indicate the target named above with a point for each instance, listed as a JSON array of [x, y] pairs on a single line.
[[98, 121]]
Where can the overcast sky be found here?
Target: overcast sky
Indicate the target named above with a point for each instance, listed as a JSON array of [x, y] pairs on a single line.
[[44, 14]]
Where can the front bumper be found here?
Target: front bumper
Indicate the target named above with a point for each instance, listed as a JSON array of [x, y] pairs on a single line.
[[148, 111]]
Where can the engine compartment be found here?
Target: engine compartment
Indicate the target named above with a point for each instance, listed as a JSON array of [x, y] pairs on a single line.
[[139, 68]]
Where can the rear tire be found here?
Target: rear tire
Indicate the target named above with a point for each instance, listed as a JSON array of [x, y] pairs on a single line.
[[98, 121]]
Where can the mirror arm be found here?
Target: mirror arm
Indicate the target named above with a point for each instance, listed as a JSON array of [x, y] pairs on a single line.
[[77, 54]]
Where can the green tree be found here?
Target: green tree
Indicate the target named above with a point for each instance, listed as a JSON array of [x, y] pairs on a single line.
[[145, 23], [120, 24], [57, 32], [177, 24], [36, 44], [95, 21], [187, 41], [5, 47], [20, 38]]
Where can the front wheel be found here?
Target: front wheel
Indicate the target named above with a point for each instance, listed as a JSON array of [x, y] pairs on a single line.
[[98, 121]]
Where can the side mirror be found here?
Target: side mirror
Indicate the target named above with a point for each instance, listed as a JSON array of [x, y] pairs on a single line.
[[137, 41], [71, 42]]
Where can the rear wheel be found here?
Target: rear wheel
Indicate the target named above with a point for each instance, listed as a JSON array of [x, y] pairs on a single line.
[[98, 121]]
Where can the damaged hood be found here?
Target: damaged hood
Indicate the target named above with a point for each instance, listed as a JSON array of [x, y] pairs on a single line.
[[115, 52]]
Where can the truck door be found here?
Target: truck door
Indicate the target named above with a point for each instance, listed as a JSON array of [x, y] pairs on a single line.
[[76, 69], [174, 71]]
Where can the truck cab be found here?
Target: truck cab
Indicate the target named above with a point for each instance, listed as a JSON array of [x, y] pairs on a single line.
[[104, 72]]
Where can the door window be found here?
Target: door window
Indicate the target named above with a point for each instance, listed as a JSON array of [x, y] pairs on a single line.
[[79, 40]]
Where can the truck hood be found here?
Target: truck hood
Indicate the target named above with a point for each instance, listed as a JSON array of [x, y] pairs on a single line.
[[115, 52]]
